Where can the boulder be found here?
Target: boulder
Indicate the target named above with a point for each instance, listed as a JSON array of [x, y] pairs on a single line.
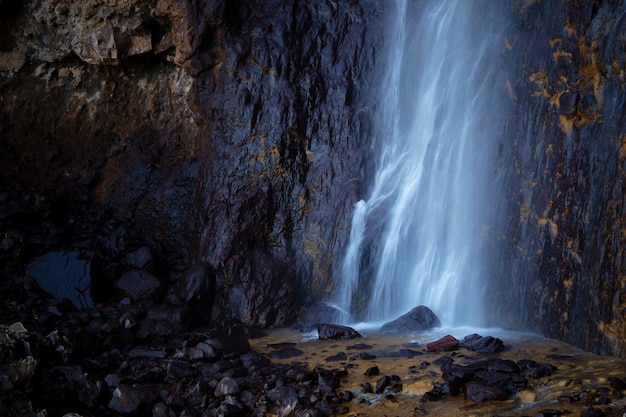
[[483, 344], [445, 343], [140, 285], [419, 318], [479, 392], [336, 332]]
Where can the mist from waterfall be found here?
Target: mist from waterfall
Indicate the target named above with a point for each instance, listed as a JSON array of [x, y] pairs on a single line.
[[417, 238]]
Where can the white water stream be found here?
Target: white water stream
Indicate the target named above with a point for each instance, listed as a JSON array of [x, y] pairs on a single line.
[[417, 239]]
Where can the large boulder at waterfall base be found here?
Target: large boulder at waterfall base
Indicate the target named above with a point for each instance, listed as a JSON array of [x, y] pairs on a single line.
[[336, 332], [419, 318]]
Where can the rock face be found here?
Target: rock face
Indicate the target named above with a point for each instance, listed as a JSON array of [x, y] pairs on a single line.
[[231, 134], [560, 236], [236, 135]]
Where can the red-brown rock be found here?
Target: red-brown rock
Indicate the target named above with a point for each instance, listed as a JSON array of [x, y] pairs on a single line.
[[447, 342]]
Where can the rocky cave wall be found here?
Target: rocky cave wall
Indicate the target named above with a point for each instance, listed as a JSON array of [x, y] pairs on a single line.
[[235, 134], [561, 236], [226, 133]]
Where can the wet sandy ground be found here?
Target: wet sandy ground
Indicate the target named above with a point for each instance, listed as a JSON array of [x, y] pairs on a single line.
[[579, 375]]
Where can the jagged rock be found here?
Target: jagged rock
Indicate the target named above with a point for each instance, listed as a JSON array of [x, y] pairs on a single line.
[[140, 285], [196, 288], [419, 318], [447, 342], [372, 371], [139, 259], [227, 386], [128, 400], [336, 332], [483, 344], [163, 320], [284, 353], [479, 392]]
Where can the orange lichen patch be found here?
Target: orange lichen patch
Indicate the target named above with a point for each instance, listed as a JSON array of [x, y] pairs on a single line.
[[570, 28], [592, 72], [559, 53], [568, 283], [553, 228], [567, 123], [540, 78]]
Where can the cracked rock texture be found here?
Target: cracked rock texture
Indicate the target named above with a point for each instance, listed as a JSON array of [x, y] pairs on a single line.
[[226, 133], [232, 138]]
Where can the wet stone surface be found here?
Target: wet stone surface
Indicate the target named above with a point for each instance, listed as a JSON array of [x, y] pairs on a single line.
[[140, 357]]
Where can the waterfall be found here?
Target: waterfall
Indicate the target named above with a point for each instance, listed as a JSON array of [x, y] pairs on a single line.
[[417, 238]]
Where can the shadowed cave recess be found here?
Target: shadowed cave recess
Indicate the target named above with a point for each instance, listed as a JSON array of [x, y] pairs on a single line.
[[203, 160]]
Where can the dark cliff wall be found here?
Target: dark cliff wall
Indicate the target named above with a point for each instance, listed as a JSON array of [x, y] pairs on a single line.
[[561, 239], [236, 133], [227, 132]]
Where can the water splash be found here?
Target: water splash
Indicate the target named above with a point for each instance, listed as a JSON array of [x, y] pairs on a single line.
[[417, 238]]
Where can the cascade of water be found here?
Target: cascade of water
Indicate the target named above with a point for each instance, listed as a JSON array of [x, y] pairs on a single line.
[[416, 240]]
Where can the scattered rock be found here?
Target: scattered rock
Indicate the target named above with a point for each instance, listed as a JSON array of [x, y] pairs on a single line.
[[419, 318], [336, 332], [447, 342], [227, 386], [483, 344], [140, 285], [285, 353], [479, 392], [548, 413]]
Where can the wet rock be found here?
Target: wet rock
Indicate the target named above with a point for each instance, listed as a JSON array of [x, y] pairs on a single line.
[[526, 396], [549, 412], [592, 412], [283, 395], [64, 274], [400, 353], [329, 378], [447, 342], [139, 259], [479, 392], [140, 285], [196, 288], [341, 356], [164, 320], [336, 332], [617, 383], [233, 341], [319, 313], [284, 353], [366, 356], [128, 400], [419, 318], [227, 386], [372, 371], [387, 382], [503, 365], [359, 346], [483, 344]]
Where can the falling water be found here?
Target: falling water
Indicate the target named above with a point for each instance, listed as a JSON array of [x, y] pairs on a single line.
[[417, 238]]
